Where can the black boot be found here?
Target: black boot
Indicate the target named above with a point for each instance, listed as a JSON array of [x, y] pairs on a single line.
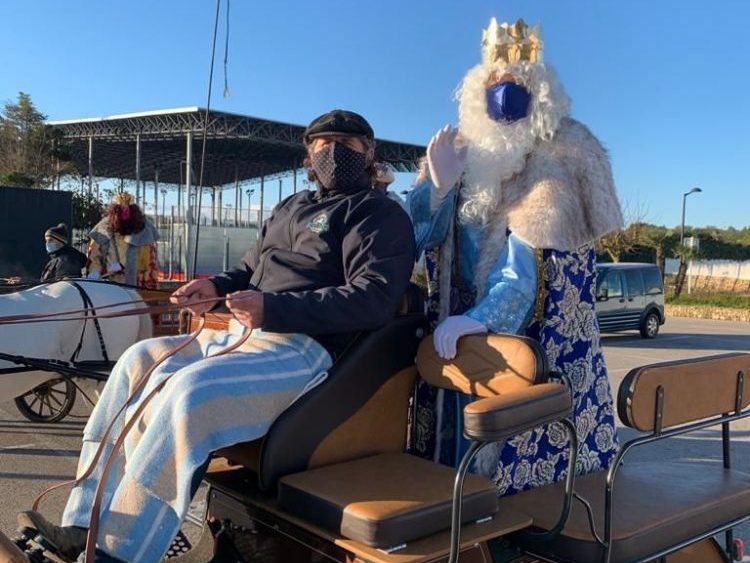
[[68, 541]]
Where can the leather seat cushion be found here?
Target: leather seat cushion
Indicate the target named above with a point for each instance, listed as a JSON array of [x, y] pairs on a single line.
[[656, 506], [495, 418], [384, 500]]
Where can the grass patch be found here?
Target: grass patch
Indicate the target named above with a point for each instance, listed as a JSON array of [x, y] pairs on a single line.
[[730, 300]]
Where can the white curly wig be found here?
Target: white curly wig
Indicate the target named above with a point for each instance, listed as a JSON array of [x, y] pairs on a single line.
[[497, 150]]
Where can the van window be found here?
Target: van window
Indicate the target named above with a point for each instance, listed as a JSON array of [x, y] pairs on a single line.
[[612, 283], [652, 281], [635, 282]]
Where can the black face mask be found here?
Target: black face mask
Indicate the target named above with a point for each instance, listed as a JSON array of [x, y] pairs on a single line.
[[338, 167]]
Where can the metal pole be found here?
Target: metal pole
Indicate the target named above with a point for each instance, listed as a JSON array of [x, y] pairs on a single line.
[[220, 201], [262, 194], [239, 205], [682, 226], [213, 206], [279, 190], [188, 188], [156, 197], [171, 235], [138, 170], [294, 179], [91, 164], [237, 198]]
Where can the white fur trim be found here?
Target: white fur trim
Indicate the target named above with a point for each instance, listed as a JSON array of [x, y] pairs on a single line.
[[565, 197]]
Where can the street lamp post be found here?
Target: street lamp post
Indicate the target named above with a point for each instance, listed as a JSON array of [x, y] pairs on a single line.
[[683, 266], [682, 226]]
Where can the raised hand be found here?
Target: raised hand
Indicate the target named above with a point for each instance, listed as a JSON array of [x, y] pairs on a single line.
[[445, 161]]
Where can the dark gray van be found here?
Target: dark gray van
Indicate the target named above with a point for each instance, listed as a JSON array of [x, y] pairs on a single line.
[[630, 295]]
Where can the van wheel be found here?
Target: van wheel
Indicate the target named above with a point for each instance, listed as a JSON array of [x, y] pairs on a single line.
[[650, 325]]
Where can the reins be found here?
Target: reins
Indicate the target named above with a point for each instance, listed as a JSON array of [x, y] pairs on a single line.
[[81, 314], [136, 390], [96, 507]]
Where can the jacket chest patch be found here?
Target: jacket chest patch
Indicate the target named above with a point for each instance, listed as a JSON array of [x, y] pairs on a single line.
[[319, 224]]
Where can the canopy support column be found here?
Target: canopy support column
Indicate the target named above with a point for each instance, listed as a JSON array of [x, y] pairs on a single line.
[[156, 196], [91, 164], [262, 196], [138, 199], [187, 212], [237, 198]]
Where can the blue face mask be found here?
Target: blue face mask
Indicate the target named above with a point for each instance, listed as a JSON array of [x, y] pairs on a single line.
[[508, 101], [52, 247]]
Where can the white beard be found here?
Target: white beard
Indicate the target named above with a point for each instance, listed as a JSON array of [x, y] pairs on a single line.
[[497, 151]]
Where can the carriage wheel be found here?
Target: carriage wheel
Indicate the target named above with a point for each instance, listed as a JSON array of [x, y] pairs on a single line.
[[49, 402]]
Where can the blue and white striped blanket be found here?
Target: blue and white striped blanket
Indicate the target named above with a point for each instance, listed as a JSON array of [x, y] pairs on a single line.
[[208, 404]]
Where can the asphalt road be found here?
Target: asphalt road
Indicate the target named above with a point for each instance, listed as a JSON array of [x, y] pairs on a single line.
[[34, 456]]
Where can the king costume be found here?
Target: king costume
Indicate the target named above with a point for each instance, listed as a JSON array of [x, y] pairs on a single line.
[[509, 248]]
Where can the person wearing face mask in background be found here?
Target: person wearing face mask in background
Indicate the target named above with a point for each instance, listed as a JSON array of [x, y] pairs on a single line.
[[506, 211], [327, 265], [64, 260]]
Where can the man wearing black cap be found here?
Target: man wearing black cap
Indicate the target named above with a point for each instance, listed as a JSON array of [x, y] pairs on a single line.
[[64, 260], [327, 265]]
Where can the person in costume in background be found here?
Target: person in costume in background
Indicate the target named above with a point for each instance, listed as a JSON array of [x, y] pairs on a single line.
[[122, 245], [64, 260], [506, 210], [384, 177]]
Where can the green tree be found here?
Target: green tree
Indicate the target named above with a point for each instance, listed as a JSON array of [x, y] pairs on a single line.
[[657, 238], [31, 152], [685, 255], [87, 210], [618, 243]]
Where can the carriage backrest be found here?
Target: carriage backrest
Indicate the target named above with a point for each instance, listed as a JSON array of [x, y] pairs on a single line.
[[691, 390]]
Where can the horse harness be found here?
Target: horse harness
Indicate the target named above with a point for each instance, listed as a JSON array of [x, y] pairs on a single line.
[[88, 308]]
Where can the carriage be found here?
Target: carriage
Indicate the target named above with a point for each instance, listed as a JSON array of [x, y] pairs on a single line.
[[331, 481]]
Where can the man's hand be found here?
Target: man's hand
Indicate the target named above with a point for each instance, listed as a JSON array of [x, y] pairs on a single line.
[[196, 290], [247, 307], [446, 163], [450, 330]]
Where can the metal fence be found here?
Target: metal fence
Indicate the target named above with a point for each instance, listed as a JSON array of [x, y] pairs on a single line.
[[223, 239]]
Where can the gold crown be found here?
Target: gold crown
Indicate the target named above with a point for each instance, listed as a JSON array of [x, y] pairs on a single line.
[[123, 198], [511, 43]]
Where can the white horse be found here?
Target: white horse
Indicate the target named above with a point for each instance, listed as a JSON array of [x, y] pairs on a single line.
[[58, 340]]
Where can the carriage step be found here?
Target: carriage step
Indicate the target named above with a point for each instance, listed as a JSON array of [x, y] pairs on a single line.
[[180, 546]]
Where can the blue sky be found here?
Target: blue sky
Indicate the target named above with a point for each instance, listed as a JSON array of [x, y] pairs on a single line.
[[663, 84]]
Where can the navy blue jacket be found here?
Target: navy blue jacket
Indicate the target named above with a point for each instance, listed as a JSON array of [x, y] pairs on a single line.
[[329, 264]]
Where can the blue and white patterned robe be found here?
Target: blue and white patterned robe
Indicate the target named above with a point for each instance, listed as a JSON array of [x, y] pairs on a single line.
[[547, 295]]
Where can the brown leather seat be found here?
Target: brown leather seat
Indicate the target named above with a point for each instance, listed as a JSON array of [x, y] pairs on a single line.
[[656, 505], [384, 500]]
